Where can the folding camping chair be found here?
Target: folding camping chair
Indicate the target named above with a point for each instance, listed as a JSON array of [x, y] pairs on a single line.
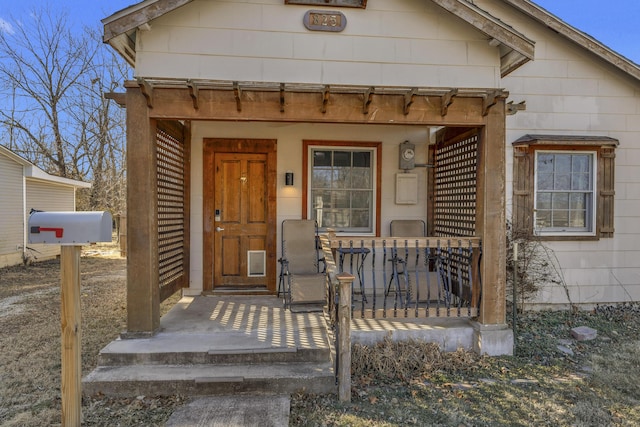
[[301, 280]]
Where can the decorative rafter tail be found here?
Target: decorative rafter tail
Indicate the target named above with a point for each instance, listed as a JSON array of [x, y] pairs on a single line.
[[368, 97], [237, 93], [147, 91], [513, 109], [409, 97], [194, 93], [325, 98], [489, 100], [447, 100]]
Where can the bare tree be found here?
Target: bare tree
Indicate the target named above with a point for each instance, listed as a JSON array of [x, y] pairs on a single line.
[[101, 132], [51, 103]]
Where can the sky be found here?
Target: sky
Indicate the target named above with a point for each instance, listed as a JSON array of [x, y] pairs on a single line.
[[612, 22]]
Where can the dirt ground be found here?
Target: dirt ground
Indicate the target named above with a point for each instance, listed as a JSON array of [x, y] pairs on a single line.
[[551, 380]]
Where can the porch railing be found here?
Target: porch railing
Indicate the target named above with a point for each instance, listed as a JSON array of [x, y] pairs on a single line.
[[387, 280], [409, 277]]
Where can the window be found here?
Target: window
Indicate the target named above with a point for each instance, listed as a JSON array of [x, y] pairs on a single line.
[[563, 186], [564, 193], [341, 186]]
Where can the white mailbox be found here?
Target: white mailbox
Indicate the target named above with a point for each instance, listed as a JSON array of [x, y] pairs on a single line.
[[69, 228]]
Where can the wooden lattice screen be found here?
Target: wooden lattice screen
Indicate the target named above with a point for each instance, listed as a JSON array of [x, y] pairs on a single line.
[[173, 204], [454, 199], [455, 187]]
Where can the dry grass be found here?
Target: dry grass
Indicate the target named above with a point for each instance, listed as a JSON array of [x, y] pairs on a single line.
[[30, 341], [414, 384], [394, 384]]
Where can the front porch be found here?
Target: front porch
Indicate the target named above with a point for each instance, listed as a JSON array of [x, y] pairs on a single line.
[[176, 223], [248, 344]]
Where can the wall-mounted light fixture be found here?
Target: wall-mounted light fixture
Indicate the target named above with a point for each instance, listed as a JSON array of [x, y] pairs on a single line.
[[288, 178]]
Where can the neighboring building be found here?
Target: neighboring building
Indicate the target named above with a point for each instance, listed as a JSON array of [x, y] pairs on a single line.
[[26, 187], [551, 116]]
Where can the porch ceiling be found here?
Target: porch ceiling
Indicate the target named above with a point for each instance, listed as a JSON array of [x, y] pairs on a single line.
[[256, 101]]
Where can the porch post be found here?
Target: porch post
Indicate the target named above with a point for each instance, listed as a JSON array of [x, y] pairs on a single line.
[[491, 333], [143, 300]]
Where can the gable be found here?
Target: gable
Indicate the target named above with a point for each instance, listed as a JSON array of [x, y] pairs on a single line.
[[122, 29], [426, 23]]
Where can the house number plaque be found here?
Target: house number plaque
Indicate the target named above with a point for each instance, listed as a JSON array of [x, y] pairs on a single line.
[[323, 20]]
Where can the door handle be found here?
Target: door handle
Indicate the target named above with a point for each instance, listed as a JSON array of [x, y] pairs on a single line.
[[219, 229]]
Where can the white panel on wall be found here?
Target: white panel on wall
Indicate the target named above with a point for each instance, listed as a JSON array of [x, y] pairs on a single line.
[[406, 188]]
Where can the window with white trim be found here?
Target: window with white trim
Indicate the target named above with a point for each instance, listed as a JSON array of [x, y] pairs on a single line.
[[342, 186], [565, 199]]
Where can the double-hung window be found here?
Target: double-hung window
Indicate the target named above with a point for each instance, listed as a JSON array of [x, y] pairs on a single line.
[[342, 186], [563, 186], [564, 198]]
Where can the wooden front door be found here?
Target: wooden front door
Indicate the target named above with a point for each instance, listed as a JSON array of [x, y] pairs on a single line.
[[239, 216]]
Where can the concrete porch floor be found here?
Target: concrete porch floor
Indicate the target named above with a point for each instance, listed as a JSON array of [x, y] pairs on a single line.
[[260, 323], [229, 323]]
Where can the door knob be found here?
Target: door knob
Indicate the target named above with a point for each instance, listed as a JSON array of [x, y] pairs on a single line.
[[219, 229]]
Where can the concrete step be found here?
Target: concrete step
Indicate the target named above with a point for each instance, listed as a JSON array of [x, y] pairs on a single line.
[[198, 380], [191, 349], [215, 357]]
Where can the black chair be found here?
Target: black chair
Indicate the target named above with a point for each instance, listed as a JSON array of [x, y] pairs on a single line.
[[401, 257]]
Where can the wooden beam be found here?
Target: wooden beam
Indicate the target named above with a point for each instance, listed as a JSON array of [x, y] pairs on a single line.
[[261, 105], [491, 216], [325, 98], [237, 93], [368, 97], [409, 97], [447, 99], [119, 97], [147, 91], [194, 93], [143, 299]]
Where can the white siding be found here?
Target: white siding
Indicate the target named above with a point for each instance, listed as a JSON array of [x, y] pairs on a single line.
[[570, 91], [11, 222], [404, 42], [48, 197]]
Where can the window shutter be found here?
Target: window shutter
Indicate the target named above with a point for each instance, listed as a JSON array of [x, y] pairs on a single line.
[[606, 191], [522, 215]]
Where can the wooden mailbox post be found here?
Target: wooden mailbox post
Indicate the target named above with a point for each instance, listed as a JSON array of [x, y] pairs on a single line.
[[71, 230]]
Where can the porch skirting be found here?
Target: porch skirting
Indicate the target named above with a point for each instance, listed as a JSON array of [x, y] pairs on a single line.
[[450, 334]]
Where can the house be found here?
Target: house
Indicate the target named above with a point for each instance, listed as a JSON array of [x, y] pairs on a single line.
[[28, 187], [463, 114]]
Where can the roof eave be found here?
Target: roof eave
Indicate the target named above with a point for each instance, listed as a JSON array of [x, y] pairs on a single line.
[[586, 41], [120, 28], [33, 172], [517, 48]]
